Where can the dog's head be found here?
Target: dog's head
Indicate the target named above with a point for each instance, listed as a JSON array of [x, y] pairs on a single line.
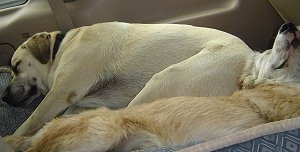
[[31, 63], [280, 64]]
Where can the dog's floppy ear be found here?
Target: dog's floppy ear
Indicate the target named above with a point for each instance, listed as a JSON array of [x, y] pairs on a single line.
[[39, 45]]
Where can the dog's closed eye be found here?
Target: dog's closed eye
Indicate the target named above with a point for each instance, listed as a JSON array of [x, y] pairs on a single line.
[[15, 68], [282, 65], [23, 46]]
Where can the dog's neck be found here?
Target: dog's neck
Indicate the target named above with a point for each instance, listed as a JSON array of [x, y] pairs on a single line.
[[58, 39], [248, 79]]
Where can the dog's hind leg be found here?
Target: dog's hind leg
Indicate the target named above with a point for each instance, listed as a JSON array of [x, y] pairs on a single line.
[[212, 72]]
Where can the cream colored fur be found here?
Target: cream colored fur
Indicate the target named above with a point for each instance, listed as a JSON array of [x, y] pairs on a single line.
[[271, 93], [199, 75], [107, 64]]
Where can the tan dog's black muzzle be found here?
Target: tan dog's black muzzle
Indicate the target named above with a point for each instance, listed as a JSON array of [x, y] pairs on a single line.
[[15, 100], [9, 98]]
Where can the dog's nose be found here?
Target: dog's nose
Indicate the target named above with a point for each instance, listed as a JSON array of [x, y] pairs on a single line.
[[290, 27], [33, 90], [6, 96]]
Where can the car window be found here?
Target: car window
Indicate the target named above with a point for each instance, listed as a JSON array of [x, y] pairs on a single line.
[[10, 3]]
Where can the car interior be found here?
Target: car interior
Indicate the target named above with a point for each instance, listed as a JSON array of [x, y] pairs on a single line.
[[255, 22]]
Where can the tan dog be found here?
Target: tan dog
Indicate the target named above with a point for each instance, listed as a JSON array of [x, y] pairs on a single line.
[[107, 64], [271, 83]]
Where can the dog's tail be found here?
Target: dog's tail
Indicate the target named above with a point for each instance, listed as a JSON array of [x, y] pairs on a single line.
[[18, 143]]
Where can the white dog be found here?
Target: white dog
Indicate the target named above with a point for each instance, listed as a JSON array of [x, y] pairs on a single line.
[[107, 64], [271, 83]]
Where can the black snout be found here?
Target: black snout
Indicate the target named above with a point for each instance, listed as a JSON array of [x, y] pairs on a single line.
[[33, 90], [20, 98], [290, 27], [6, 95]]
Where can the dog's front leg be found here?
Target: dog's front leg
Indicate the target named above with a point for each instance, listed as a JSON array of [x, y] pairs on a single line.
[[276, 109], [51, 106]]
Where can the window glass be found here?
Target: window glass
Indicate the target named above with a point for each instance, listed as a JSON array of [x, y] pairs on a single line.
[[10, 3]]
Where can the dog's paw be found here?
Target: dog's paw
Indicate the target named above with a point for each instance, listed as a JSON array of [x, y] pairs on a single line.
[[17, 143]]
